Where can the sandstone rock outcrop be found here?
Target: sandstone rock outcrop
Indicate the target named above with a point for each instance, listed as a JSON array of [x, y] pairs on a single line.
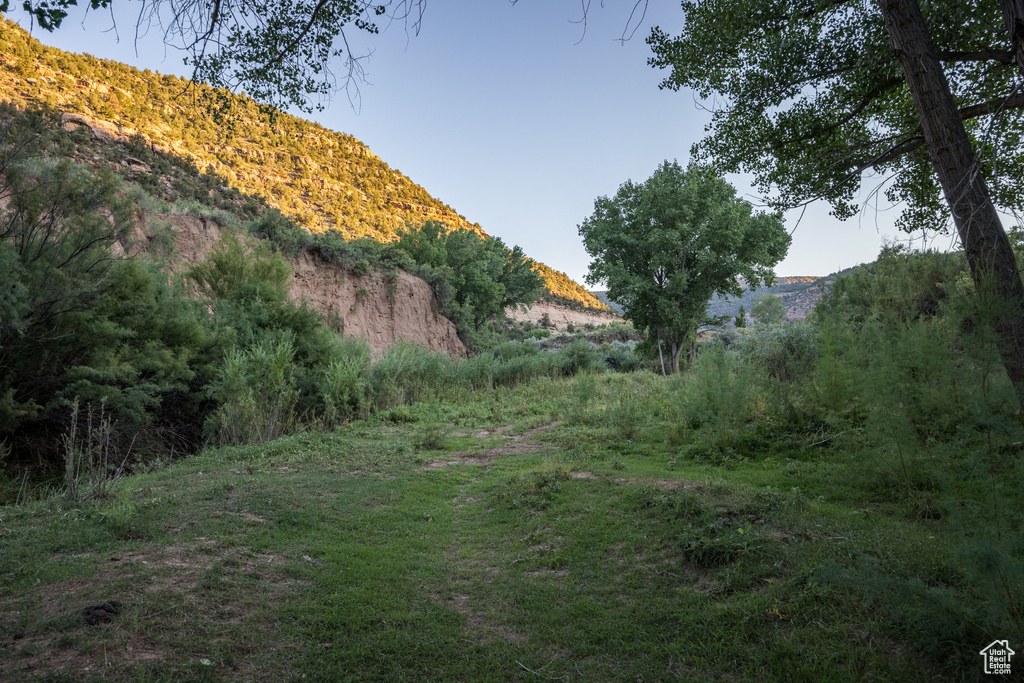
[[104, 131], [561, 316]]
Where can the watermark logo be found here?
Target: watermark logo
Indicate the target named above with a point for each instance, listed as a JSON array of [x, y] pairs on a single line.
[[997, 657]]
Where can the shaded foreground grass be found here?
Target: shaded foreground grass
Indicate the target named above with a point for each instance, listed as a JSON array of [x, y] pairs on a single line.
[[552, 531]]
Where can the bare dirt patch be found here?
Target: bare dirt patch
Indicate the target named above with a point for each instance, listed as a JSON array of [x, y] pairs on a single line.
[[561, 316], [518, 443], [669, 484], [249, 516], [525, 436], [489, 433], [439, 464]]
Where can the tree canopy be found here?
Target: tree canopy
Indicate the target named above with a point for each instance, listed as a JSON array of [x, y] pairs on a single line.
[[665, 246], [768, 310], [808, 97], [484, 275], [818, 92]]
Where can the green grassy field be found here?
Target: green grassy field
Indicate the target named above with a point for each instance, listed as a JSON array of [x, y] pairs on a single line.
[[555, 531]]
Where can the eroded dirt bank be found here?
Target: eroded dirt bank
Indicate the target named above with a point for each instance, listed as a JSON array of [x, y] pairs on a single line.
[[374, 307]]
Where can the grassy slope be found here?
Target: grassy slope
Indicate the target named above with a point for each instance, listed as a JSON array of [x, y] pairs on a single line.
[[324, 179], [551, 532]]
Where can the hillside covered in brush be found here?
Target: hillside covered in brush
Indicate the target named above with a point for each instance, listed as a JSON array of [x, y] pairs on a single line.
[[325, 180], [799, 293]]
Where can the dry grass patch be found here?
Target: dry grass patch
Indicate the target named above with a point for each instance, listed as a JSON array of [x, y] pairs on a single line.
[[669, 484], [480, 624], [517, 444], [180, 604]]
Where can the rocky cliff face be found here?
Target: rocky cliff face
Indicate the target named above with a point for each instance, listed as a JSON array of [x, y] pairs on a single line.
[[376, 308], [379, 309]]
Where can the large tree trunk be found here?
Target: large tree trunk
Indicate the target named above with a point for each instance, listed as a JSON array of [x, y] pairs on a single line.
[[1013, 15], [661, 356], [989, 255]]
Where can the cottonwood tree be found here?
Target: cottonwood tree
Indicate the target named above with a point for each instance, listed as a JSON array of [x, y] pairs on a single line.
[[808, 96], [666, 246], [280, 53]]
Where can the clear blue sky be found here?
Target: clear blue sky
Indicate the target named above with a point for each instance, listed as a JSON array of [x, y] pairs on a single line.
[[503, 112]]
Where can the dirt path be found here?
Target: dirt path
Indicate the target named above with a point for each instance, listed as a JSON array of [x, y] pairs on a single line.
[[515, 444]]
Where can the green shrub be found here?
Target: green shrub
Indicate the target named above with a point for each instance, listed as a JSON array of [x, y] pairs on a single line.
[[247, 287], [284, 233], [256, 393], [719, 389], [627, 415], [235, 271], [535, 489], [475, 278], [191, 207], [586, 392], [784, 353], [430, 436], [344, 387], [580, 356], [407, 373], [506, 365], [77, 324], [518, 363], [622, 356]]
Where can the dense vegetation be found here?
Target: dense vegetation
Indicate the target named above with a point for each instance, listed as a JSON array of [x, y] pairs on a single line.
[[832, 499], [485, 276], [809, 102], [326, 181], [101, 357], [838, 498]]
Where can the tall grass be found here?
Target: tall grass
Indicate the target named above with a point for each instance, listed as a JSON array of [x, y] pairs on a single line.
[[718, 399], [895, 381], [344, 386], [407, 373], [257, 395], [91, 453]]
